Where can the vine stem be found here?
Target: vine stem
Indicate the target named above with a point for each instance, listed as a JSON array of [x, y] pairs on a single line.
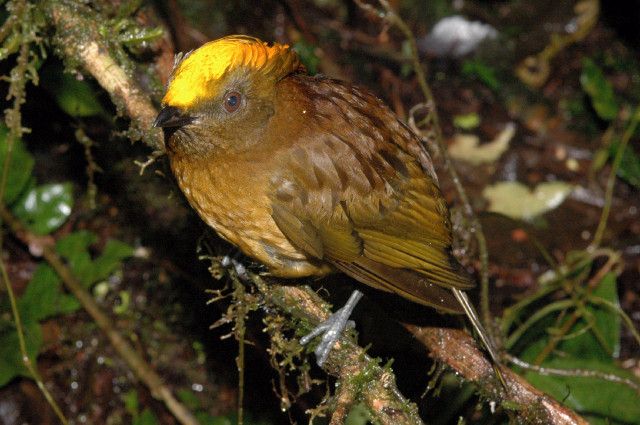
[[582, 373], [576, 315], [611, 181]]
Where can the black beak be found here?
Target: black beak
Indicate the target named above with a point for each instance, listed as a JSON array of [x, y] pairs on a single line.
[[170, 116]]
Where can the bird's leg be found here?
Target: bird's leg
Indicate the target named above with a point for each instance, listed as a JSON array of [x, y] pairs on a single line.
[[332, 328]]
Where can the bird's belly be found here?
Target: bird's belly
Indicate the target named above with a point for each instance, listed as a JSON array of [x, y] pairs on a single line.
[[241, 214]]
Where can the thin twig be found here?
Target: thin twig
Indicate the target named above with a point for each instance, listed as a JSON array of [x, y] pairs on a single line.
[[581, 373], [153, 157], [137, 364], [26, 360], [92, 166], [240, 331]]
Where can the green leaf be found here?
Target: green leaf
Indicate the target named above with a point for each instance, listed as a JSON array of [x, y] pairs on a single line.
[[74, 243], [629, 165], [131, 403], [44, 297], [75, 248], [146, 418], [467, 121], [11, 364], [599, 90], [588, 395], [75, 97], [483, 72], [20, 166], [45, 208], [308, 56], [607, 324], [111, 258]]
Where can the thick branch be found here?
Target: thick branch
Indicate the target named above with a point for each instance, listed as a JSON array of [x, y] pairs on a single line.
[[458, 350], [80, 41]]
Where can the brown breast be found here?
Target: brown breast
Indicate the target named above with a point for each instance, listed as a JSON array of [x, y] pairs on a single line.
[[231, 196]]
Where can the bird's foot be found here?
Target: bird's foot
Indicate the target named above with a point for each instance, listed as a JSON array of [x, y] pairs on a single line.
[[230, 262], [332, 328]]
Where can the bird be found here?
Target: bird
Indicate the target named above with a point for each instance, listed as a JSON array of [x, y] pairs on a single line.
[[309, 176]]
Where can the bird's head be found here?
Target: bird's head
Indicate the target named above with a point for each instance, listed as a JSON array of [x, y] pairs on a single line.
[[221, 94]]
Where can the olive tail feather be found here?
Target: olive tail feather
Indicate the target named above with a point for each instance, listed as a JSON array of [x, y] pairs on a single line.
[[464, 301]]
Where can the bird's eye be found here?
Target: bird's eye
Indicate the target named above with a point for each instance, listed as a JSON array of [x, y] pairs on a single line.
[[232, 101]]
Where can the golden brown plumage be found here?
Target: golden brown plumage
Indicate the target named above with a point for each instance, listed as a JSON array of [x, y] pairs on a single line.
[[308, 174]]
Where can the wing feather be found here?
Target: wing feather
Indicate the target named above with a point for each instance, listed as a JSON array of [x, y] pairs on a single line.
[[300, 231], [403, 282], [367, 203]]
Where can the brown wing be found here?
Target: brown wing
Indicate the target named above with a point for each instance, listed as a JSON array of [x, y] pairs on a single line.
[[351, 192]]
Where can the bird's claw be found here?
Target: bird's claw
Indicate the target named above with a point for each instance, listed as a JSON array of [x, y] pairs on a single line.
[[332, 328]]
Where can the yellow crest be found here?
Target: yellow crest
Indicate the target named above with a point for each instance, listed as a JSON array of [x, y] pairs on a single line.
[[197, 75]]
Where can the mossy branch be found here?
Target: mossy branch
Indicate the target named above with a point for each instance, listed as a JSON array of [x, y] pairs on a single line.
[[79, 40], [359, 376]]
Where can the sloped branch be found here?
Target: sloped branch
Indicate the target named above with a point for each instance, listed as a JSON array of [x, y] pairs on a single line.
[[78, 39], [458, 350]]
